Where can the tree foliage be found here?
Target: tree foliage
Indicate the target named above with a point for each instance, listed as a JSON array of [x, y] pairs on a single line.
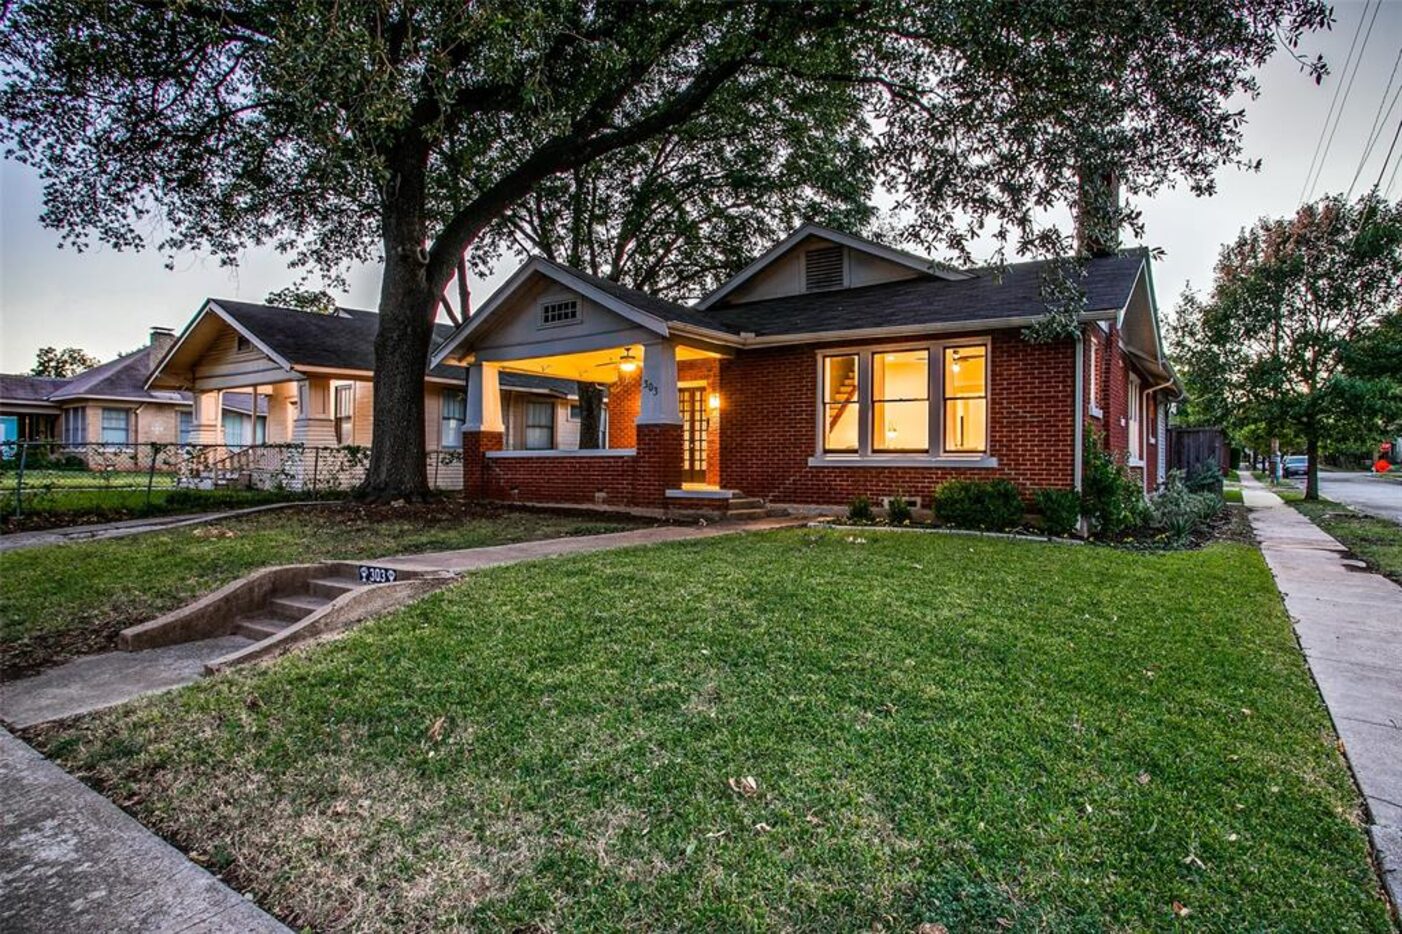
[[317, 301], [1297, 331], [401, 131], [70, 361]]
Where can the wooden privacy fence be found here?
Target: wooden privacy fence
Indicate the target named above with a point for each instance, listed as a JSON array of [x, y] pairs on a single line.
[[1188, 448]]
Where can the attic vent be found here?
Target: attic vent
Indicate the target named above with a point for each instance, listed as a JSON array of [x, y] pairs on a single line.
[[559, 312], [822, 269]]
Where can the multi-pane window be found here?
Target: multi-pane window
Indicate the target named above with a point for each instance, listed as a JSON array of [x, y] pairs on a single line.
[[900, 401], [540, 426], [185, 422], [1135, 420], [75, 426], [841, 408], [561, 312], [116, 426], [345, 411], [966, 399], [454, 414]]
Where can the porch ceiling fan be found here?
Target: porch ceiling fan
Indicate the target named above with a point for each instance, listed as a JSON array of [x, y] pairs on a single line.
[[626, 363]]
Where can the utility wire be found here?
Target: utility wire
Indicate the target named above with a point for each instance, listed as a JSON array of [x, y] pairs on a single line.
[[1391, 181], [1343, 104], [1388, 157], [1379, 123], [1333, 102]]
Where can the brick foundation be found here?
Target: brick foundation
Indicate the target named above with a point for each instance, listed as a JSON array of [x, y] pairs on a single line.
[[475, 444], [658, 465], [605, 480]]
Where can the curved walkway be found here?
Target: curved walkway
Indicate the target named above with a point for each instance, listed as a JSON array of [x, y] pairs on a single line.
[[1349, 625]]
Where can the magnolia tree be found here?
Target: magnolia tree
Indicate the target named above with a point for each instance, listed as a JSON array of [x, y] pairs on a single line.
[[1292, 339], [400, 132]]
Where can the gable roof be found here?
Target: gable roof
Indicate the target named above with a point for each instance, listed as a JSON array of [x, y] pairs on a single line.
[[984, 297], [901, 257]]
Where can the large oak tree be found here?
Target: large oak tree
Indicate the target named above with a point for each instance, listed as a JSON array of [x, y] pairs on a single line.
[[372, 129]]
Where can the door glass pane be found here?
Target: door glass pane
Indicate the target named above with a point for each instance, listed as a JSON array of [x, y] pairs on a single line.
[[966, 399], [840, 414], [900, 392]]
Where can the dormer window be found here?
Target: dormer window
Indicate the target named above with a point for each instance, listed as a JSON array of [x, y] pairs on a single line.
[[823, 268], [561, 312]]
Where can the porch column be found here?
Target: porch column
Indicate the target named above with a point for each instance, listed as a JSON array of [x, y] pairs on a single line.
[[658, 464], [206, 421], [313, 425], [483, 429]]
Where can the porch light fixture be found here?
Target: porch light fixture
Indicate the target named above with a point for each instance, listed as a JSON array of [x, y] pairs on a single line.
[[955, 364], [714, 400], [627, 363]]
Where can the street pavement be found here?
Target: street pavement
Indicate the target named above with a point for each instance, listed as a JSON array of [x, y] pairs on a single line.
[[1363, 491]]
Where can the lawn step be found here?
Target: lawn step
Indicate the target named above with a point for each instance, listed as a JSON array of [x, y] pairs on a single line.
[[332, 587], [259, 628], [742, 514], [295, 606], [740, 503]]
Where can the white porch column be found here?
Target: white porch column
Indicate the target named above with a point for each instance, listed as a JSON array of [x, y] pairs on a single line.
[[483, 399], [206, 420], [313, 425], [659, 386]]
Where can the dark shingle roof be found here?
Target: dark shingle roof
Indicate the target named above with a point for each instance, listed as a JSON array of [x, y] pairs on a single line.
[[122, 378], [346, 341], [21, 387], [915, 302], [658, 307]]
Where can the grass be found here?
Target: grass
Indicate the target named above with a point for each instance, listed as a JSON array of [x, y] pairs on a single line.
[[61, 600], [985, 734], [1232, 494], [1376, 541]]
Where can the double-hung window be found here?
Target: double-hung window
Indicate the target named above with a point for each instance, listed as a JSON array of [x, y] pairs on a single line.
[[454, 414], [116, 426], [184, 426], [1093, 376], [1135, 421], [540, 426], [345, 412], [889, 404], [75, 426]]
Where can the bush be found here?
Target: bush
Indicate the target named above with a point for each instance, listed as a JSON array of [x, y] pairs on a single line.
[[1179, 511], [974, 504], [898, 510], [1206, 477], [1110, 498], [859, 510], [1060, 509]]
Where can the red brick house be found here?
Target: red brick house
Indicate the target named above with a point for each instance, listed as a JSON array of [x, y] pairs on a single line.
[[831, 366]]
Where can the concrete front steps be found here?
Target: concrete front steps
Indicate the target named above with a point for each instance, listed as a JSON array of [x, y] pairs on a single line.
[[276, 608], [710, 503]]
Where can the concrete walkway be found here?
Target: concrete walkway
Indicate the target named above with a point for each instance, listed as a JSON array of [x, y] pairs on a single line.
[[1349, 623], [71, 861], [89, 533]]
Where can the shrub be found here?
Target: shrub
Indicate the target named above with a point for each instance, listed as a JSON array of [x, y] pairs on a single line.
[[1110, 498], [1206, 477], [898, 510], [1060, 509], [1179, 511], [974, 504], [859, 510]]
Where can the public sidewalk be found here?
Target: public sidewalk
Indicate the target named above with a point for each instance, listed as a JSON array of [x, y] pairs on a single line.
[[70, 860], [1349, 623]]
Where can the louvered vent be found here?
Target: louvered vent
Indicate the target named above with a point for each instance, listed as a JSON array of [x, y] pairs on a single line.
[[822, 269]]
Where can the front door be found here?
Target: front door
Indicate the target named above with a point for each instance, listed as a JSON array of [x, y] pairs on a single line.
[[694, 426]]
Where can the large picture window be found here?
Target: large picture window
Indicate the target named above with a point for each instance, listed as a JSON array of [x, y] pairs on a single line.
[[540, 426], [454, 414], [841, 404], [966, 399], [116, 426], [900, 401]]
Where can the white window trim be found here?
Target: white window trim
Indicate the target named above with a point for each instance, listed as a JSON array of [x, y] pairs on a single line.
[[1093, 396], [443, 419], [542, 324], [865, 456], [1134, 421]]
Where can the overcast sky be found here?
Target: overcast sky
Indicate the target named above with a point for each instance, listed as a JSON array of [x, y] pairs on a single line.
[[105, 301]]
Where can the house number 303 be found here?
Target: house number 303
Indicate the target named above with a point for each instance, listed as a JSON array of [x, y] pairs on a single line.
[[649, 387]]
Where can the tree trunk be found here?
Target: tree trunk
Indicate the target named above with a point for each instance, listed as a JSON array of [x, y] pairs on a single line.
[[1312, 474], [408, 305], [591, 405]]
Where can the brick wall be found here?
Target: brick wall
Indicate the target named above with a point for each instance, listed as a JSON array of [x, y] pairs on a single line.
[[565, 479], [658, 464], [625, 402], [769, 399], [476, 481]]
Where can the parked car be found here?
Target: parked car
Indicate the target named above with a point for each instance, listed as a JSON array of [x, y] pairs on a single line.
[[1296, 465]]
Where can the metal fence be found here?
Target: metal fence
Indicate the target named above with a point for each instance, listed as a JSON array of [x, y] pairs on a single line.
[[50, 475]]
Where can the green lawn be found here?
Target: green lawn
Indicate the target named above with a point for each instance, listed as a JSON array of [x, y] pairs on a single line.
[[1377, 541], [1232, 494], [985, 734], [61, 600]]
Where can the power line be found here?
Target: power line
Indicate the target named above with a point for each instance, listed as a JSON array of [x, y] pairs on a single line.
[[1333, 102], [1343, 104], [1379, 123], [1387, 157], [1393, 179]]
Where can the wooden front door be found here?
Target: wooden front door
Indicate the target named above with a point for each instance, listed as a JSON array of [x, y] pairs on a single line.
[[694, 429]]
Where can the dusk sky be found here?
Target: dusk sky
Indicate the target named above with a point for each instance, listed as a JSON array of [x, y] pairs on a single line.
[[104, 301]]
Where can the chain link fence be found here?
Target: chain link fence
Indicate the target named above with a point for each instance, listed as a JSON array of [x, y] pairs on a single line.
[[49, 476]]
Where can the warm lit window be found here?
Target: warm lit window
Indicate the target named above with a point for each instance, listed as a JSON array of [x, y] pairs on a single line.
[[1135, 432], [966, 399], [841, 414], [900, 401], [540, 426], [454, 413], [1093, 375]]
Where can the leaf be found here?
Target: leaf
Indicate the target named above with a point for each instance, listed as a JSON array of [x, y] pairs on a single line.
[[746, 786], [762, 828], [435, 732], [1142, 778], [930, 927], [1181, 910]]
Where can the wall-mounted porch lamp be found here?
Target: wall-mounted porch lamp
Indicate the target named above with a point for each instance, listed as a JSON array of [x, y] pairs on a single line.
[[714, 401]]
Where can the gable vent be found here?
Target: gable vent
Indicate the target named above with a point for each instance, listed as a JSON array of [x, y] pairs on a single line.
[[822, 269]]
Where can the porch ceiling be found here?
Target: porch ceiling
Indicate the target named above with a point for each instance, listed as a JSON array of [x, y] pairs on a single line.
[[597, 366]]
